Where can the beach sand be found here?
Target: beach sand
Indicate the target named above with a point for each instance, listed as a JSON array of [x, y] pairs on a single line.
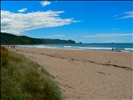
[[87, 75]]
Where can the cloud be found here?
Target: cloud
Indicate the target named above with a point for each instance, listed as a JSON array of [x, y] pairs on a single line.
[[115, 29], [126, 15], [116, 41], [22, 10], [45, 3], [17, 23], [55, 36], [107, 35]]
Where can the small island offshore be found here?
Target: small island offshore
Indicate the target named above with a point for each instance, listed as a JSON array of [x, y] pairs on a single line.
[[66, 50], [57, 74]]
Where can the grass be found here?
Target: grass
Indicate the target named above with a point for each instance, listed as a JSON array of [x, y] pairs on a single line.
[[22, 79]]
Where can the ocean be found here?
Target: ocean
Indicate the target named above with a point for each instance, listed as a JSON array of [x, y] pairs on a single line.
[[120, 47]]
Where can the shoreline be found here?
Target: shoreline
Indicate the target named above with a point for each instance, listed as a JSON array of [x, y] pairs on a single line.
[[86, 74], [94, 47]]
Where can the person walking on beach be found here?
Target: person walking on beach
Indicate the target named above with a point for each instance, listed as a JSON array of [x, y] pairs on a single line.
[[112, 49], [13, 46]]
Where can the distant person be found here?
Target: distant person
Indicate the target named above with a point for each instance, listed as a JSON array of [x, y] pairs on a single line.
[[112, 49], [13, 46]]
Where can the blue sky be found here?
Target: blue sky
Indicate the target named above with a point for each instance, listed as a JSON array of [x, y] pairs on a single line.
[[82, 21]]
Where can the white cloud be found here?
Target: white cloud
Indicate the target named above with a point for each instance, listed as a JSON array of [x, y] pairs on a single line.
[[16, 23], [107, 35], [55, 36], [126, 15], [116, 41], [45, 3], [22, 10], [115, 29]]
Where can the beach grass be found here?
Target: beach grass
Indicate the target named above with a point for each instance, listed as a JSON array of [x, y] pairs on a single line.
[[23, 79]]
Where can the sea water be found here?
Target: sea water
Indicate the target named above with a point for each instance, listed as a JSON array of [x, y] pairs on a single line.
[[122, 47]]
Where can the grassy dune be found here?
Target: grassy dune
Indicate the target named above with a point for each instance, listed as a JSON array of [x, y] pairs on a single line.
[[22, 79]]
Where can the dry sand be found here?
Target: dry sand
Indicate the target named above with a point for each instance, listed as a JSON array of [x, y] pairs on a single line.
[[87, 75]]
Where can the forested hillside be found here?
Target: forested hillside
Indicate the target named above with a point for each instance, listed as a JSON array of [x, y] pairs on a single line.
[[13, 39], [57, 41], [7, 38]]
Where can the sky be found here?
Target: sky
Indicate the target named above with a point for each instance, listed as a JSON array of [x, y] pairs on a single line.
[[82, 21]]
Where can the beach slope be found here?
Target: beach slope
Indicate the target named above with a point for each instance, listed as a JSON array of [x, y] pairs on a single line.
[[87, 75]]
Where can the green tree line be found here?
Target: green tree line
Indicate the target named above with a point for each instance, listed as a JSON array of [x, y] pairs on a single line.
[[9, 39]]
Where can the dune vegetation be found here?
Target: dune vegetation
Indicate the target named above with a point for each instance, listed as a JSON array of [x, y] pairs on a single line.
[[23, 79]]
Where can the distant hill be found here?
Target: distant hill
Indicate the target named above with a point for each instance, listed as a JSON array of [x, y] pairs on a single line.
[[7, 39], [57, 41]]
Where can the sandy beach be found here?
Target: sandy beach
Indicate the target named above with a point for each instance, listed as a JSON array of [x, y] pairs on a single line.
[[87, 75]]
